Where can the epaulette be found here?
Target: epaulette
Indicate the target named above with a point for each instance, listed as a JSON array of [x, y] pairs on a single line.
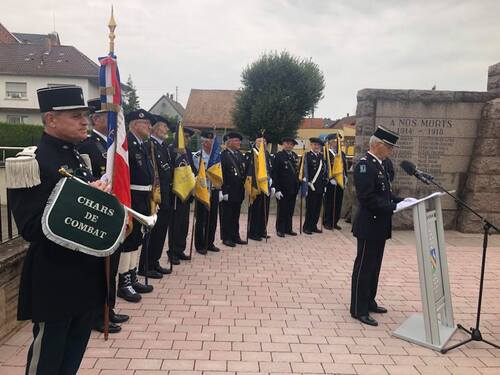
[[88, 162], [363, 158], [23, 170]]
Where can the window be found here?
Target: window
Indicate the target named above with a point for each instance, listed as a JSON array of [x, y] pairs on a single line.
[[16, 119], [15, 90]]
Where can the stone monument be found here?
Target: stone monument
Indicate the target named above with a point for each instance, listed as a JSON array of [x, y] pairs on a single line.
[[453, 135]]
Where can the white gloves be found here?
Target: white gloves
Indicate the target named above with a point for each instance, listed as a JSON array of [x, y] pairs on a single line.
[[273, 191], [223, 197], [279, 195], [311, 185], [333, 181]]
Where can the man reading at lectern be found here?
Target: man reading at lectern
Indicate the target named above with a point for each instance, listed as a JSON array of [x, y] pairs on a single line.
[[372, 224]]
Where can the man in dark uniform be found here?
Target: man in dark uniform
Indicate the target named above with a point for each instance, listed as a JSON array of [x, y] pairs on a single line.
[[372, 224], [179, 226], [95, 146], [259, 209], [233, 191], [317, 179], [159, 150], [206, 220], [60, 289], [334, 192], [141, 180], [286, 182]]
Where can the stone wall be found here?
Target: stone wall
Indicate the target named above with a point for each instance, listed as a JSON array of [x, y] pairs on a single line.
[[12, 256], [482, 188], [494, 78], [438, 133]]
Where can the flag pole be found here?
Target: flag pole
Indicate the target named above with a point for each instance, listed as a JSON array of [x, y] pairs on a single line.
[[300, 189], [107, 266]]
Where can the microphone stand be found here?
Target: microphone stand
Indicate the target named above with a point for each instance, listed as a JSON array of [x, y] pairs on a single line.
[[474, 332]]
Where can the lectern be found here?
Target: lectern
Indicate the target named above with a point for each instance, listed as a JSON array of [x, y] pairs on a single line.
[[434, 327]]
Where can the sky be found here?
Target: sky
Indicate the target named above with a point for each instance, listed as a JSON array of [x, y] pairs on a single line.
[[205, 44]]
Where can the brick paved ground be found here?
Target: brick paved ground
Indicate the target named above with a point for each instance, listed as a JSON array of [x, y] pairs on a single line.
[[282, 307]]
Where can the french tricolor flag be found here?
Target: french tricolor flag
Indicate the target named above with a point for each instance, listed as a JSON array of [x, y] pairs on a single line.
[[117, 168]]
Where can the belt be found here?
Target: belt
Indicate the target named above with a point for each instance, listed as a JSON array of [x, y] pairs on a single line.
[[141, 187]]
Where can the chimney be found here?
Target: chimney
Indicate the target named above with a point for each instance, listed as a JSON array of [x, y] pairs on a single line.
[[172, 96], [48, 45], [347, 114], [54, 39]]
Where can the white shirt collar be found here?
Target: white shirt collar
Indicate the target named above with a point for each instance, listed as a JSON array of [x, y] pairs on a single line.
[[376, 158], [160, 141], [100, 135]]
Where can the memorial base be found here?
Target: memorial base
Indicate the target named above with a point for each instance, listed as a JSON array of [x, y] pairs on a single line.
[[413, 330]]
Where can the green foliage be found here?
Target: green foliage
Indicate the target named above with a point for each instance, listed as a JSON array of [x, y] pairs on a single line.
[[131, 102], [278, 91], [19, 135]]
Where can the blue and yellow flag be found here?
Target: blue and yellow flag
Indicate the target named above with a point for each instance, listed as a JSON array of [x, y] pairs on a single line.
[[201, 191], [184, 180], [214, 168], [303, 175]]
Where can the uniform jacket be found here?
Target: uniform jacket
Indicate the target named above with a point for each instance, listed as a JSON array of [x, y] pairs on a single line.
[[376, 201], [56, 283], [141, 173], [96, 148], [285, 172], [313, 163], [234, 175], [165, 170]]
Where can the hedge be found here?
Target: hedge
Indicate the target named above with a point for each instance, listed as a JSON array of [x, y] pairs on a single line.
[[19, 135]]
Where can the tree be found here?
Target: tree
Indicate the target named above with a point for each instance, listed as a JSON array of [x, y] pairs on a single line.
[[131, 102], [278, 91]]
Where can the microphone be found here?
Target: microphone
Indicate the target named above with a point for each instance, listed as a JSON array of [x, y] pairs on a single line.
[[412, 170]]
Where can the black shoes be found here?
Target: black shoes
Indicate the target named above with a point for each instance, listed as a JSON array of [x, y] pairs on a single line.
[[125, 289], [139, 287], [202, 251], [152, 274], [239, 241], [162, 270], [266, 236], [183, 256], [316, 230], [117, 318], [378, 309], [213, 248], [366, 319], [174, 260], [113, 328], [292, 233], [280, 234], [327, 226], [337, 227], [229, 243], [255, 238], [307, 231]]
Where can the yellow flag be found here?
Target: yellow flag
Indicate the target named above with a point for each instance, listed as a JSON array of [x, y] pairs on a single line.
[[326, 150], [262, 177], [338, 166], [184, 180], [201, 191]]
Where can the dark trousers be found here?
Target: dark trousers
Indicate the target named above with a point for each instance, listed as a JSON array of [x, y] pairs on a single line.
[[206, 222], [114, 261], [333, 194], [58, 346], [230, 220], [365, 275], [179, 227], [284, 217], [157, 238], [259, 215], [313, 208]]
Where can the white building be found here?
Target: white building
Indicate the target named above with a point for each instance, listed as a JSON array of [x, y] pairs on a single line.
[[31, 61]]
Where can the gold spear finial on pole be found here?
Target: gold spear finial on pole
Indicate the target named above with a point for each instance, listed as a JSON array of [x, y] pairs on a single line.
[[112, 27]]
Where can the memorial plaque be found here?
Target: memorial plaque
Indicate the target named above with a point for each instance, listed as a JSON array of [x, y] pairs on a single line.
[[438, 138]]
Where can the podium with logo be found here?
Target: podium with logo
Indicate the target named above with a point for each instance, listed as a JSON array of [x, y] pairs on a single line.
[[434, 326]]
